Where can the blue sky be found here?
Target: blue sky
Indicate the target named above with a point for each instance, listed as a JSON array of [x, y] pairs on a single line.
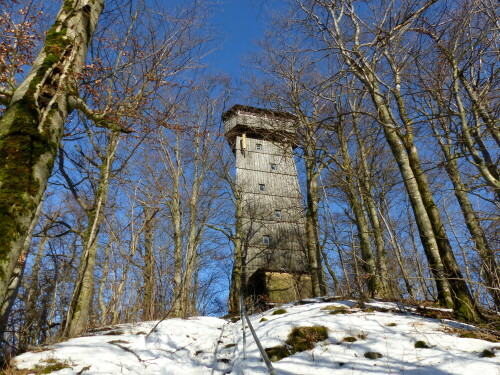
[[240, 23]]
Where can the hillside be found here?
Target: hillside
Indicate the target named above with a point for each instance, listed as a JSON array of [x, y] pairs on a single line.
[[207, 345]]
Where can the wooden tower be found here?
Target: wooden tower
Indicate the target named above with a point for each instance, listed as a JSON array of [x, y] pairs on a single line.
[[275, 267]]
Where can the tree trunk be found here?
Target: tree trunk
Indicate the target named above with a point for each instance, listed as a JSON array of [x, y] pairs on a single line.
[[103, 310], [422, 219], [15, 280], [487, 255], [32, 125], [485, 112], [373, 281], [369, 201], [81, 301], [237, 273], [32, 321], [463, 302], [312, 236], [175, 212], [148, 301], [194, 233], [484, 164], [399, 255]]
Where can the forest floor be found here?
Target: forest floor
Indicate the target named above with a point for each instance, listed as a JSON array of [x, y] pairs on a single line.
[[400, 342]]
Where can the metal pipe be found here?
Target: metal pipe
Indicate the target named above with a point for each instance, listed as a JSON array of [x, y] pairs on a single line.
[[269, 365]]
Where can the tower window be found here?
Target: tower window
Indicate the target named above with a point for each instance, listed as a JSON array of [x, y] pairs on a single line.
[[258, 146], [277, 214], [266, 240], [274, 167], [262, 187]]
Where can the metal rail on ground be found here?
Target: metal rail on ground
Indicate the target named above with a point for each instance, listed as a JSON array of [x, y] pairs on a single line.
[[244, 316]]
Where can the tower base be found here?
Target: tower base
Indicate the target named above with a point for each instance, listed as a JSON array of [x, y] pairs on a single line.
[[269, 287]]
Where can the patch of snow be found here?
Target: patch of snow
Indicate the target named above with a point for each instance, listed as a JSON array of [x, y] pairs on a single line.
[[206, 345]]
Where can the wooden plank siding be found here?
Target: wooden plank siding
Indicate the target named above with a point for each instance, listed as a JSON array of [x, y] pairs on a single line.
[[286, 249]]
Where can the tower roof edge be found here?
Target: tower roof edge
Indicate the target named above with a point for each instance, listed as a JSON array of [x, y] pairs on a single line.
[[245, 109]]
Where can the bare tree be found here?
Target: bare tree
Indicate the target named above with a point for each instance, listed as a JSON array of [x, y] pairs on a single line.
[[377, 58]]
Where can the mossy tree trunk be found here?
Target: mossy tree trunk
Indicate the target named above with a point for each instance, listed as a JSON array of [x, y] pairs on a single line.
[[32, 125], [421, 215], [15, 281], [33, 323]]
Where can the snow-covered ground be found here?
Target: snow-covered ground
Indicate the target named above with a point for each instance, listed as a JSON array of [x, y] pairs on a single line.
[[205, 345]]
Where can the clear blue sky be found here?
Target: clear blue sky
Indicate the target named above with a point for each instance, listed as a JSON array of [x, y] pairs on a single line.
[[240, 23]]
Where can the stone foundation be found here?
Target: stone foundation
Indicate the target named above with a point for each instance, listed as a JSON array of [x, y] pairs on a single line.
[[279, 287]]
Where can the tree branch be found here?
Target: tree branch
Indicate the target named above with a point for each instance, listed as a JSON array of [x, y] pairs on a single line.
[[5, 96], [100, 120]]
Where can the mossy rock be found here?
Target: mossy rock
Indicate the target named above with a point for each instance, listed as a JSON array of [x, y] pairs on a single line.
[[334, 310], [488, 353], [303, 338], [234, 319], [53, 368], [421, 345], [337, 312], [349, 339], [277, 353], [52, 365], [229, 346], [263, 320], [468, 335], [373, 355], [391, 324], [279, 312]]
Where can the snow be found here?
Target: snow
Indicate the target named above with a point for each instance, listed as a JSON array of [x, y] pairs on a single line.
[[207, 345]]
